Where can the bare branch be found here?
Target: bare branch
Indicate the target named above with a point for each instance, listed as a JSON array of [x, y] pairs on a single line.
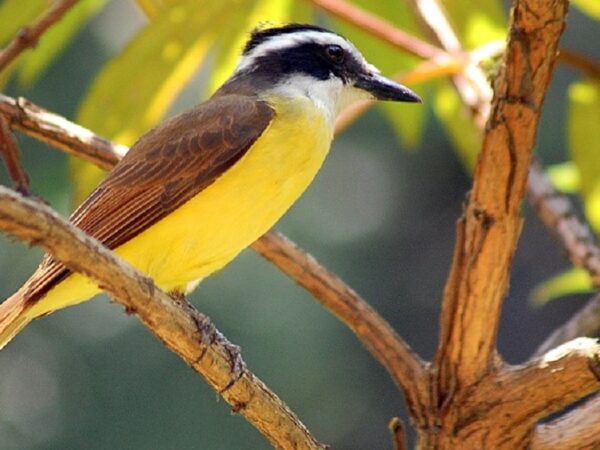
[[405, 367], [183, 330], [489, 230], [28, 36], [558, 214], [12, 158], [581, 62], [380, 28], [396, 356], [396, 427], [576, 430], [585, 322]]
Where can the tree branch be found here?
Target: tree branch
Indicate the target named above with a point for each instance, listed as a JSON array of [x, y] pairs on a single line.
[[576, 430], [28, 36], [184, 330], [487, 233]]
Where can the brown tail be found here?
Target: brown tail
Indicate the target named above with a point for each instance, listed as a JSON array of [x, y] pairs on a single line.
[[13, 317]]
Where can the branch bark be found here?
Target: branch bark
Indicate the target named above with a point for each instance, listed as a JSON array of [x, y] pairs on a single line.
[[182, 329], [12, 158], [576, 430], [487, 233], [28, 36]]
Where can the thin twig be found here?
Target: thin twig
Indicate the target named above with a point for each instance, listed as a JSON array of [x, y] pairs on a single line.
[[398, 431], [28, 36], [12, 158], [585, 322], [558, 214], [581, 62], [380, 28], [182, 329], [405, 367]]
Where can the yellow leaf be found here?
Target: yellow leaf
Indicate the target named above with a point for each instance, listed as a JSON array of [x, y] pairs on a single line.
[[477, 21], [584, 143], [15, 14], [590, 7], [565, 177], [573, 281], [56, 39], [135, 89]]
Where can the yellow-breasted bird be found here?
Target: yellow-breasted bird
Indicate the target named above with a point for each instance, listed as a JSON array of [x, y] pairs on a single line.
[[200, 187]]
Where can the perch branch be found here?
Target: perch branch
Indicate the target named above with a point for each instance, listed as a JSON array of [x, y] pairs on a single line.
[[12, 158], [406, 368], [577, 430], [28, 36], [487, 233], [183, 330]]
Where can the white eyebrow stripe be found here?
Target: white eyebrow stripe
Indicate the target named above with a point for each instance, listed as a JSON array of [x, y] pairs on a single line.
[[290, 40]]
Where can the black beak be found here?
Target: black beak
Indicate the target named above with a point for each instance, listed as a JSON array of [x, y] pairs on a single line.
[[384, 89]]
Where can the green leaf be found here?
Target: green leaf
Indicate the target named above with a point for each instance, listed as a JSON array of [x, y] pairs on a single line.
[[238, 30], [55, 40], [590, 7], [565, 177], [477, 21], [458, 123], [573, 281], [584, 143], [135, 88], [15, 14], [408, 122]]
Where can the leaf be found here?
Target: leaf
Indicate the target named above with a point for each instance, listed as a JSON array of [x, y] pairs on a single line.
[[135, 88], [477, 22], [55, 40], [246, 18], [572, 281], [590, 7], [565, 177], [408, 122], [584, 143], [458, 124]]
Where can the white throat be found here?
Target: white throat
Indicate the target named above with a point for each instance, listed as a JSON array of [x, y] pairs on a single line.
[[331, 95]]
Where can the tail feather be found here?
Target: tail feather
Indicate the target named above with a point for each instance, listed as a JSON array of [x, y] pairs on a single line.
[[13, 317]]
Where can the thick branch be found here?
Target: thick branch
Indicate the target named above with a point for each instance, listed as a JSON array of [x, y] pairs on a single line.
[[489, 230], [183, 330], [405, 367], [28, 36], [500, 411], [576, 430]]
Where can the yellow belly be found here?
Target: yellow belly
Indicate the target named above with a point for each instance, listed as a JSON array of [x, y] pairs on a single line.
[[208, 231]]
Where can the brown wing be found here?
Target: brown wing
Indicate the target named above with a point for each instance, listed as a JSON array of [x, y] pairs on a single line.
[[165, 168]]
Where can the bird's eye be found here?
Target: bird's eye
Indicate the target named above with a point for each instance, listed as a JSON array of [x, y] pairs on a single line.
[[335, 53]]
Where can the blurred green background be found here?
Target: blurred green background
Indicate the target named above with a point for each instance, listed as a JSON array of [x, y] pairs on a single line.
[[379, 215]]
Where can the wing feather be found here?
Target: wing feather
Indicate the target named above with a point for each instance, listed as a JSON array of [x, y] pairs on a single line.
[[168, 166]]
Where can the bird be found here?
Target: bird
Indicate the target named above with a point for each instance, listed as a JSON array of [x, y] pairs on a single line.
[[198, 188]]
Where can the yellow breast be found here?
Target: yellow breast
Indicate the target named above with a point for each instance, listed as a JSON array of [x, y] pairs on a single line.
[[208, 231]]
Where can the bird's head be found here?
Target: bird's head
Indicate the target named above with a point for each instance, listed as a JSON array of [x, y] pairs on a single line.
[[312, 61]]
